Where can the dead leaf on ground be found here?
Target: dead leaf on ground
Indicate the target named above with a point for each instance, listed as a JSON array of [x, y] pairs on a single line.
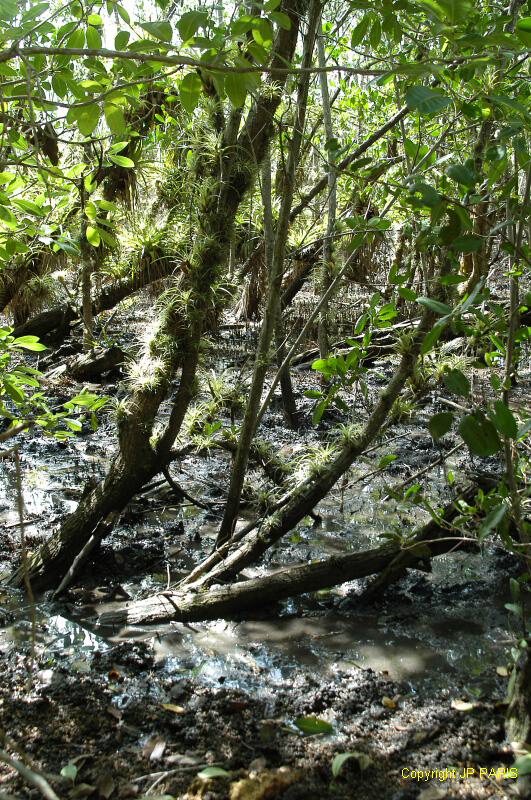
[[388, 702], [183, 760], [463, 705], [267, 784], [154, 748], [433, 793], [106, 786], [174, 708], [81, 790]]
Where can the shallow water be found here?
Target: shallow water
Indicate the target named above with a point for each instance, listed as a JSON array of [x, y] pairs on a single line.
[[446, 624]]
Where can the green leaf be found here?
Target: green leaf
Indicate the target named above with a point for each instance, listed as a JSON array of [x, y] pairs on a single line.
[[122, 161], [117, 147], [319, 411], [93, 38], [407, 294], [313, 726], [73, 424], [76, 40], [281, 19], [440, 424], [462, 174], [523, 763], [15, 392], [8, 9], [115, 118], [504, 420], [106, 205], [212, 772], [523, 30], [190, 22], [93, 236], [434, 305], [468, 243], [30, 343], [190, 90], [161, 29], [430, 196], [30, 207], [425, 100], [235, 87], [431, 339], [386, 460], [359, 32], [7, 217], [106, 237], [457, 382], [452, 229], [492, 520], [378, 224], [376, 33], [121, 39], [69, 772], [87, 119], [480, 435]]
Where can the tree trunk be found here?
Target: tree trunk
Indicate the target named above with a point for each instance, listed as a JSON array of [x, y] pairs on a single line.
[[274, 289], [328, 247], [518, 720], [177, 339], [87, 268], [288, 398]]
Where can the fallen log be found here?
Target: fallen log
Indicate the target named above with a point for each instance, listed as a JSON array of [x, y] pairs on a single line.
[[93, 365], [192, 605], [55, 323]]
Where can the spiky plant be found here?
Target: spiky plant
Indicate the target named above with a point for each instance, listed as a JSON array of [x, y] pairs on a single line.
[[27, 286]]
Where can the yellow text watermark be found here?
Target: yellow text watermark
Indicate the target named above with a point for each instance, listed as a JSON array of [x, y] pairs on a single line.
[[459, 773]]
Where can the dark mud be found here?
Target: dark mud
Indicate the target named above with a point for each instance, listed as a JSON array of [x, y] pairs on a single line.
[[412, 681], [129, 727]]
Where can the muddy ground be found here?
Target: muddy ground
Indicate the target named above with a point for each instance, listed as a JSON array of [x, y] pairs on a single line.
[[413, 681]]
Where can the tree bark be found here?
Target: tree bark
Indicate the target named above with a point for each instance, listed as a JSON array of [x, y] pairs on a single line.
[[328, 246], [518, 720]]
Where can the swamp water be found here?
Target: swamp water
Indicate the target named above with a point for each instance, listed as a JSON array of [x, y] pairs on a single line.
[[435, 628]]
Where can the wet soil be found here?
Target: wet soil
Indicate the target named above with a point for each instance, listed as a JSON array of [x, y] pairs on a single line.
[[127, 725], [412, 681]]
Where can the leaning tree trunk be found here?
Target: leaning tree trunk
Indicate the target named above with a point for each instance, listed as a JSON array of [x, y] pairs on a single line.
[[246, 547], [177, 340], [274, 290]]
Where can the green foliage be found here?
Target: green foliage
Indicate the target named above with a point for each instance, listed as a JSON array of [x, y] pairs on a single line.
[[313, 726], [23, 403]]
